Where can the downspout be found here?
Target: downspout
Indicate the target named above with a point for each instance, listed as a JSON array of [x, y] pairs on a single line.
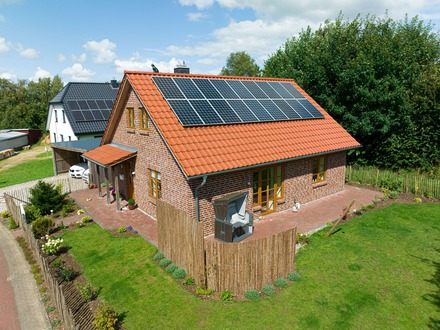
[[196, 193]]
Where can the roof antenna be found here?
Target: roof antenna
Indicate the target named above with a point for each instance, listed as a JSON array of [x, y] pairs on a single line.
[[154, 68]]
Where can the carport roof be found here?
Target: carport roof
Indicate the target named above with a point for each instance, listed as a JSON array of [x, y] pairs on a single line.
[[78, 146], [109, 154]]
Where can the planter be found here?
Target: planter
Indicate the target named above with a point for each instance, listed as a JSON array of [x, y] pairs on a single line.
[[131, 206]]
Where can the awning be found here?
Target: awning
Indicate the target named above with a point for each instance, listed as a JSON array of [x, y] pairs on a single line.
[[109, 154]]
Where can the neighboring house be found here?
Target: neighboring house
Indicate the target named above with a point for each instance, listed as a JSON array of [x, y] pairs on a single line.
[[192, 139], [10, 139], [80, 111]]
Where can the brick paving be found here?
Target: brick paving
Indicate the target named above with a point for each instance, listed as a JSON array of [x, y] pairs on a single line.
[[310, 217]]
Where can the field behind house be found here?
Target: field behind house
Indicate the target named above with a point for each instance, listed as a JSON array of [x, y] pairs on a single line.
[[379, 271]]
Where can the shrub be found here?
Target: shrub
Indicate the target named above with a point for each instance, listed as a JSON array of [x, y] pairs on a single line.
[[164, 262], [32, 213], [46, 197], [52, 246], [67, 273], [61, 226], [179, 273], [171, 268], [42, 226], [158, 256], [86, 219], [12, 224], [131, 201], [189, 281], [5, 214], [302, 238], [80, 211], [394, 194], [86, 291], [252, 294], [106, 318], [122, 230], [293, 276], [280, 282], [56, 263], [65, 210], [79, 224], [268, 290], [226, 295], [204, 292]]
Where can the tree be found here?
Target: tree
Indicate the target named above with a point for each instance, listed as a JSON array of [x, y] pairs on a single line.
[[47, 197], [379, 78], [240, 64]]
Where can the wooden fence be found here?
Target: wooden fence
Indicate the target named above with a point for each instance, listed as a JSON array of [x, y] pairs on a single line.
[[75, 314], [181, 240], [406, 182], [250, 265], [223, 266]]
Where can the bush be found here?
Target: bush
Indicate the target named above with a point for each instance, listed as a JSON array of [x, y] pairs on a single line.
[[204, 292], [52, 246], [226, 295], [179, 273], [252, 294], [268, 290], [189, 281], [56, 263], [394, 194], [280, 282], [67, 273], [12, 224], [86, 291], [131, 201], [106, 318], [65, 210], [294, 276], [42, 226], [5, 214], [46, 197], [164, 262], [417, 200], [80, 211], [302, 238], [171, 268], [122, 230], [32, 213], [86, 219], [158, 256]]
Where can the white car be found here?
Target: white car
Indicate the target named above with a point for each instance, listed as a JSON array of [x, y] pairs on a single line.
[[77, 170]]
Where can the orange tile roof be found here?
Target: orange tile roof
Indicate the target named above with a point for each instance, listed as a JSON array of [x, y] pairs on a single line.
[[208, 149], [107, 155]]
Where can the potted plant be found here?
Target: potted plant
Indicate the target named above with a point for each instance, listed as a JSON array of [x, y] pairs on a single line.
[[131, 204]]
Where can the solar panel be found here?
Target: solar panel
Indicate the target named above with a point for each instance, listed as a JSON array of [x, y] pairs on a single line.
[[101, 104], [77, 115], [106, 114], [97, 115], [92, 104], [202, 101], [109, 104], [88, 115], [73, 105], [83, 105]]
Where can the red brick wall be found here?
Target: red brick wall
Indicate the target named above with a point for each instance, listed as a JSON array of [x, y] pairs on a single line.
[[154, 154]]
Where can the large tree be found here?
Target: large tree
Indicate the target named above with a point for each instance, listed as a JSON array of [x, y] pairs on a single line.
[[240, 64], [25, 104], [379, 78]]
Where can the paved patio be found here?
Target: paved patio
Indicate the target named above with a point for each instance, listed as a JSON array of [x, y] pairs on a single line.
[[309, 218]]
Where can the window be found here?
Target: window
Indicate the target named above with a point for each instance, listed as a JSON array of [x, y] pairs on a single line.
[[61, 137], [70, 138], [56, 116], [268, 188], [54, 137], [130, 117], [155, 184], [144, 119], [64, 117], [319, 170]]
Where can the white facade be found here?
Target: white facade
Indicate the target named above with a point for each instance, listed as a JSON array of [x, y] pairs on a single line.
[[58, 125]]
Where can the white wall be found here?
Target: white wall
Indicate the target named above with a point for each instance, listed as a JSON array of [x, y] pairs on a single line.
[[58, 127]]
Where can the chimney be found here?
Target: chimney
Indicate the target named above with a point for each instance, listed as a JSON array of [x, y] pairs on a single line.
[[114, 83], [181, 68]]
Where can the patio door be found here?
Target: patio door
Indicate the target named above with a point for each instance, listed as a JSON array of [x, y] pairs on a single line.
[[268, 188]]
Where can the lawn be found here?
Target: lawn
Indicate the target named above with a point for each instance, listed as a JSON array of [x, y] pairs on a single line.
[[379, 271], [31, 170]]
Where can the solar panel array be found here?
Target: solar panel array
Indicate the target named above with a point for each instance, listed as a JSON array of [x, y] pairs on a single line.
[[90, 110], [199, 101]]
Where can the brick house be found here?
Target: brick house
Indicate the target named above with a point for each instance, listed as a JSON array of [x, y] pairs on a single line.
[[190, 139]]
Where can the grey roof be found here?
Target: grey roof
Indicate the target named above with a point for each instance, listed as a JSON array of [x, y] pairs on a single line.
[[9, 135], [79, 146], [86, 120]]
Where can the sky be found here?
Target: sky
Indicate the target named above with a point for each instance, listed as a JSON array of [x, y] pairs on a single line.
[[97, 40]]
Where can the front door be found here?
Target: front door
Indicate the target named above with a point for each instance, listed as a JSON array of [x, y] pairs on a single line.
[[267, 188]]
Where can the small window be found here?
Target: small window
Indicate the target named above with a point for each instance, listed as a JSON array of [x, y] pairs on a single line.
[[155, 184], [70, 138], [130, 117], [61, 137], [319, 170], [64, 117], [144, 119], [56, 116], [54, 137]]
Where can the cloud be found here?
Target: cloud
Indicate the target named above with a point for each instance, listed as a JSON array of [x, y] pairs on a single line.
[[8, 75], [103, 50], [2, 19], [4, 45], [136, 63], [40, 74], [82, 58], [195, 17], [78, 73], [200, 4], [27, 52], [61, 58]]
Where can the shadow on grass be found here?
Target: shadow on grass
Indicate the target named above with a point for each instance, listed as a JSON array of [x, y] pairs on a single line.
[[434, 298]]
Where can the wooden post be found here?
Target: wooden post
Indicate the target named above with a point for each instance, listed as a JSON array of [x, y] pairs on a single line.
[[107, 185], [340, 218], [99, 182], [118, 203]]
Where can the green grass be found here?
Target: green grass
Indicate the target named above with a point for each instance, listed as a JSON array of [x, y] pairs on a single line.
[[380, 271], [32, 170], [45, 154]]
